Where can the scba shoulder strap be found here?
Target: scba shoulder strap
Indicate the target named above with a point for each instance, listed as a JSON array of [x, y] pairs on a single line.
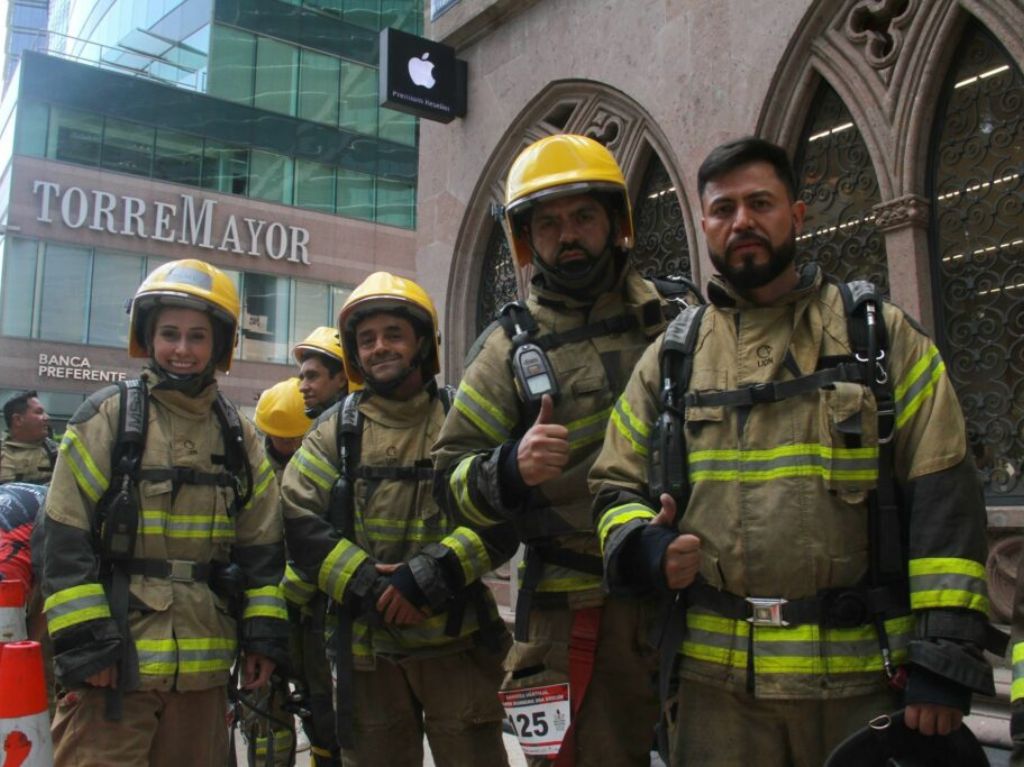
[[865, 365], [349, 434]]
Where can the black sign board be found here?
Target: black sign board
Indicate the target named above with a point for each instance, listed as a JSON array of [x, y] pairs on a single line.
[[421, 77]]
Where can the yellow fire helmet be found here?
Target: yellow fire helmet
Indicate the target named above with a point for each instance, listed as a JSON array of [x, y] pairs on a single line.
[[192, 284], [385, 292], [557, 166], [323, 340], [280, 411]]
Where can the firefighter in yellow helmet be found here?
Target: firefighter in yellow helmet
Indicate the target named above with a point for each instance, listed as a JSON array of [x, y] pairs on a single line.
[[280, 415], [322, 383], [830, 562], [268, 723], [161, 518], [527, 424], [417, 640], [321, 362]]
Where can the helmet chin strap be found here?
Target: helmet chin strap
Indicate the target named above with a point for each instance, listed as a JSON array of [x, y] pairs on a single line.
[[584, 282], [190, 383]]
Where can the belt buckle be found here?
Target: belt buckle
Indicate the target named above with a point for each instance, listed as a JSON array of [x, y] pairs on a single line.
[[766, 611], [182, 570]]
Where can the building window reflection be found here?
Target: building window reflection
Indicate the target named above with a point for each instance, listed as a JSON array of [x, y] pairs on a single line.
[[85, 138], [57, 292]]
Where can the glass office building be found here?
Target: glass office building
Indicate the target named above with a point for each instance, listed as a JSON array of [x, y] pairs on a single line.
[[243, 132]]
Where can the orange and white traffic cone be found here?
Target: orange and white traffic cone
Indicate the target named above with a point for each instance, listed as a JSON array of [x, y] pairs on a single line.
[[12, 611], [24, 719]]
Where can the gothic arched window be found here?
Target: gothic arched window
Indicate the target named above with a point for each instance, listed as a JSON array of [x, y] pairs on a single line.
[[661, 247], [839, 186], [497, 279], [977, 215]]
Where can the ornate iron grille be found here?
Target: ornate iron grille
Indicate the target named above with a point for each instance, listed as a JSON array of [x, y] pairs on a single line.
[[661, 247], [977, 202], [839, 186], [497, 279]]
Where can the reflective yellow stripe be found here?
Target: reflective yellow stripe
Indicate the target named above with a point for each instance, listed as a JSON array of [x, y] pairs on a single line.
[[799, 650], [338, 568], [187, 526], [459, 484], [315, 468], [837, 464], [470, 550], [263, 476], [632, 429], [185, 655], [265, 602], [89, 478], [1017, 663], [586, 431], [295, 588], [918, 385], [950, 582], [484, 415], [620, 515], [78, 604], [395, 530]]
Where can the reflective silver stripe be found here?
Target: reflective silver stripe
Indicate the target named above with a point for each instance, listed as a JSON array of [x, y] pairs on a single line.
[[75, 605], [470, 550], [88, 476], [630, 427], [587, 431], [917, 385], [186, 526], [315, 468], [393, 530], [460, 487], [338, 568], [486, 416], [853, 464]]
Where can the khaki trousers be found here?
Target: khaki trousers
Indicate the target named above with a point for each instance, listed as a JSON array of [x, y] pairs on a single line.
[[159, 729], [453, 699], [616, 720], [716, 726]]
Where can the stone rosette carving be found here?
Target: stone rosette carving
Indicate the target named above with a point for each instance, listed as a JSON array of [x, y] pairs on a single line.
[[909, 210]]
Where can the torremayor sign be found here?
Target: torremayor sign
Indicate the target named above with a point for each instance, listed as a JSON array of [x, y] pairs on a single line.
[[184, 223]]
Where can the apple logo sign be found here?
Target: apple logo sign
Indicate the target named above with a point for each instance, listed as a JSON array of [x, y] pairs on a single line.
[[421, 71]]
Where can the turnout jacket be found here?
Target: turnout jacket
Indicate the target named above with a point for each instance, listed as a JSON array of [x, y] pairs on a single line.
[[778, 500], [476, 451], [395, 520], [27, 461], [182, 632]]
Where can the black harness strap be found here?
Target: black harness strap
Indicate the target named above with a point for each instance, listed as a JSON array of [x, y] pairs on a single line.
[[117, 514], [133, 416], [776, 391]]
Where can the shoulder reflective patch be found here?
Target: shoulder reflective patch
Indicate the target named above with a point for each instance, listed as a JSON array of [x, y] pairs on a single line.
[[478, 344], [91, 406]]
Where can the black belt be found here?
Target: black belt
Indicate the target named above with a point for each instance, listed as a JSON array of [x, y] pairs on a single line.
[[832, 608], [180, 570]]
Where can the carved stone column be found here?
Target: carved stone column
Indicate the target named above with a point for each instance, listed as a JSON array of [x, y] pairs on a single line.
[[904, 224]]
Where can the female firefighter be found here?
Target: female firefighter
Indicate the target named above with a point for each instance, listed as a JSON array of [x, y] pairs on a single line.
[[164, 550]]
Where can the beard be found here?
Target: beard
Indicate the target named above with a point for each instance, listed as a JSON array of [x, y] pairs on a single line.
[[748, 274], [579, 276]]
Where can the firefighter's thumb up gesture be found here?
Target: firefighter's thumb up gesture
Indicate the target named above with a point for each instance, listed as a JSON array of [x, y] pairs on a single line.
[[681, 562], [543, 451]]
